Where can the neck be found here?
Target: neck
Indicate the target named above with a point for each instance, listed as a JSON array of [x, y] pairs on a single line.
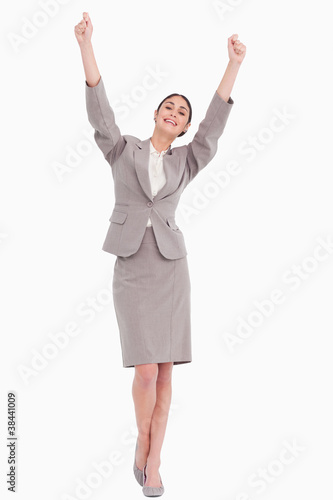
[[160, 143]]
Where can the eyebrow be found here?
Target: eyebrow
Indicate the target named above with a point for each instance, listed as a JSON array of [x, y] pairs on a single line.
[[174, 104]]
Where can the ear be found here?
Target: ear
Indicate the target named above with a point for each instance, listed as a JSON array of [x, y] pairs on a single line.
[[187, 127]]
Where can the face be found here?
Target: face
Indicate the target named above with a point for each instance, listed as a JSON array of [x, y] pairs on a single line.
[[172, 116]]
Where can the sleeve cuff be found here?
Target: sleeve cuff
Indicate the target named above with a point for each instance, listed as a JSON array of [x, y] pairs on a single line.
[[95, 86], [229, 101]]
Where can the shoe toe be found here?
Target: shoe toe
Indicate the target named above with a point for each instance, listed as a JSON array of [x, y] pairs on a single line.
[[152, 491]]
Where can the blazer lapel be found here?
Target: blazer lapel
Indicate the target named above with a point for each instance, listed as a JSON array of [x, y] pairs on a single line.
[[170, 166]]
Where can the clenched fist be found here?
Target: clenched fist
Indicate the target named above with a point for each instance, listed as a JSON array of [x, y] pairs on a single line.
[[236, 49], [83, 30]]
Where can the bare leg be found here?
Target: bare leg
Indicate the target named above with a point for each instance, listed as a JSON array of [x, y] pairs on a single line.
[[144, 396], [159, 422]]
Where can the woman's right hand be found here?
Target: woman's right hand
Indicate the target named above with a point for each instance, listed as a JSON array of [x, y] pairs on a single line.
[[83, 30]]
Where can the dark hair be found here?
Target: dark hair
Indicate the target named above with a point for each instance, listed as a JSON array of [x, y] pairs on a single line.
[[189, 105]]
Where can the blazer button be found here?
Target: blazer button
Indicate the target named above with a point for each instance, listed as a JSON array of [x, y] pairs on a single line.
[[149, 204]]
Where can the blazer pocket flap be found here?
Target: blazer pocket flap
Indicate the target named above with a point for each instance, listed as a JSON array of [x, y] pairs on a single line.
[[172, 223], [118, 217]]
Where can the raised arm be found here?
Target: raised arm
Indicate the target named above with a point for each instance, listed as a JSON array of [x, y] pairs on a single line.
[[83, 32], [203, 147], [237, 52], [100, 114]]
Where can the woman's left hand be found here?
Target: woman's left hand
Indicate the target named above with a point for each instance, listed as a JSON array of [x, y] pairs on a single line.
[[236, 49]]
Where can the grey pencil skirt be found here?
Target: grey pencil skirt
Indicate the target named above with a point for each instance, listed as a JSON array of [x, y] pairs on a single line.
[[152, 302]]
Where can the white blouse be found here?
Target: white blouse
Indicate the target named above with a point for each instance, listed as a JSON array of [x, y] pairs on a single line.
[[156, 172]]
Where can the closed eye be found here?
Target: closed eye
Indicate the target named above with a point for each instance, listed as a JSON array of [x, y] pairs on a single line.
[[168, 107]]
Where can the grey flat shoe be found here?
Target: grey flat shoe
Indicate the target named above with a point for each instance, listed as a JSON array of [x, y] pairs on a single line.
[[151, 491], [138, 473]]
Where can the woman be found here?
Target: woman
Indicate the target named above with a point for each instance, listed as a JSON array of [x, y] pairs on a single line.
[[151, 283]]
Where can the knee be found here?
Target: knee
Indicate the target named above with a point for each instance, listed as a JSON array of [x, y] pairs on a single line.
[[146, 374]]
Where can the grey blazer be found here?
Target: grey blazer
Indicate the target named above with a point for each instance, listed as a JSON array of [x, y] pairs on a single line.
[[128, 157]]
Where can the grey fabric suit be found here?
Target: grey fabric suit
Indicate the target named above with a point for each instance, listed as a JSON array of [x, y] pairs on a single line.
[[128, 157]]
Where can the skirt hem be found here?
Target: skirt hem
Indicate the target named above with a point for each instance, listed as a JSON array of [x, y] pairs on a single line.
[[179, 362]]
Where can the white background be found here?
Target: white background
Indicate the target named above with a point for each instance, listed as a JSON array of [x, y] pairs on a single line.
[[232, 412]]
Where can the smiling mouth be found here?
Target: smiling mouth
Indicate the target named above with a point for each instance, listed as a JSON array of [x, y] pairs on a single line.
[[171, 122]]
